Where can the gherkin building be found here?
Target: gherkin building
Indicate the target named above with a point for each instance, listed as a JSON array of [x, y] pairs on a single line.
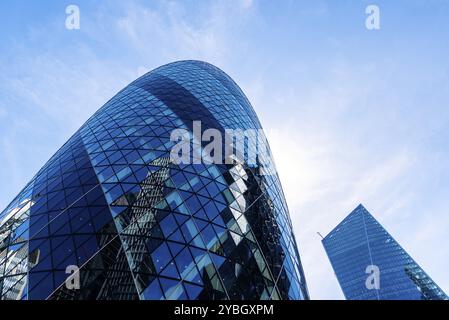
[[111, 216]]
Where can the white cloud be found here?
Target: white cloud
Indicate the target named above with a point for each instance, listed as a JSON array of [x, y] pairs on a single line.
[[332, 154], [3, 112], [141, 70], [172, 34], [322, 187], [334, 148], [247, 3], [61, 87]]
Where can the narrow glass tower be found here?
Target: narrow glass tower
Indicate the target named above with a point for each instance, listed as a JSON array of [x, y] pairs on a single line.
[[114, 205], [371, 265]]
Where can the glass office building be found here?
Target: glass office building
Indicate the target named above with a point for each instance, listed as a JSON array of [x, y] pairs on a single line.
[[371, 265], [112, 203]]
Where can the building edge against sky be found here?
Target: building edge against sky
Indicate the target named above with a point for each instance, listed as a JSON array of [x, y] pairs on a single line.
[[112, 203], [360, 249]]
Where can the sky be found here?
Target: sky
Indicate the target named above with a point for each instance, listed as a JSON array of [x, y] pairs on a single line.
[[352, 115]]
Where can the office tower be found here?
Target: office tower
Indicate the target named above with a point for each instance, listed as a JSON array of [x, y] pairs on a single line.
[[371, 265], [139, 225]]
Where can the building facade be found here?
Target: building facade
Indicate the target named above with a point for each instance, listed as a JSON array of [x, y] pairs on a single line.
[[371, 265], [112, 205]]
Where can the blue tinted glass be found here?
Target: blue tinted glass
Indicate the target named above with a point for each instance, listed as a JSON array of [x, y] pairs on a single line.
[[361, 251], [113, 202]]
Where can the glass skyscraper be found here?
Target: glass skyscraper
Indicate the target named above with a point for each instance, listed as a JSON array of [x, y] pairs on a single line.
[[361, 251], [112, 203]]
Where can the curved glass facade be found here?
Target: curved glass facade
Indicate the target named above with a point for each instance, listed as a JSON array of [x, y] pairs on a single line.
[[112, 204]]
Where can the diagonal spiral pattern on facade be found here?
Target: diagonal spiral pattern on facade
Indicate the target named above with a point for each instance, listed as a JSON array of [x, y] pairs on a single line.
[[138, 226]]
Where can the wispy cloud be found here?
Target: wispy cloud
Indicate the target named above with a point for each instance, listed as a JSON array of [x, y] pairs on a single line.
[[351, 117], [337, 149], [3, 112], [61, 83]]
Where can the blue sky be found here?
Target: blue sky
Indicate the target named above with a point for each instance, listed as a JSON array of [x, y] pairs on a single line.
[[352, 115]]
